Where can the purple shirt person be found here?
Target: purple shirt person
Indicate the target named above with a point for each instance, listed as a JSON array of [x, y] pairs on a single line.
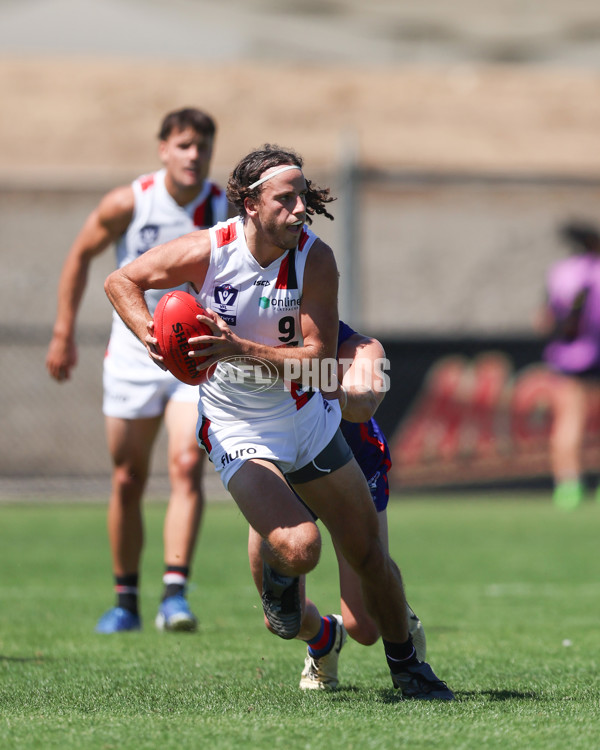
[[573, 288], [573, 352]]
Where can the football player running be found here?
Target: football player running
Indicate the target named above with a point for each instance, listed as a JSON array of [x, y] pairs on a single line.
[[260, 438]]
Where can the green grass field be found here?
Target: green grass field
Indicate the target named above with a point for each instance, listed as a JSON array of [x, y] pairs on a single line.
[[507, 587]]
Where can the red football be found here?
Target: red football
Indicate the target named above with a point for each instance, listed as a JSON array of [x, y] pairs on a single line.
[[174, 323]]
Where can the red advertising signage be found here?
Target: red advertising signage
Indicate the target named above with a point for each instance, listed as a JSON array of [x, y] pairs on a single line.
[[476, 421]]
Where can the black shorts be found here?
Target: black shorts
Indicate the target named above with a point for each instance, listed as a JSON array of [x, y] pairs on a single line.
[[336, 454]]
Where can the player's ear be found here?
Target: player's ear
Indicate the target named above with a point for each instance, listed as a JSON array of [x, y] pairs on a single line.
[[251, 206], [162, 152]]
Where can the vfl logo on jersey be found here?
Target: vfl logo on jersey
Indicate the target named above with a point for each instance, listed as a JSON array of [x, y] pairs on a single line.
[[148, 238], [226, 303]]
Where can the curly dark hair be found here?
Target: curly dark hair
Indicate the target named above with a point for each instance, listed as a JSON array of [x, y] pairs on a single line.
[[252, 166], [188, 117]]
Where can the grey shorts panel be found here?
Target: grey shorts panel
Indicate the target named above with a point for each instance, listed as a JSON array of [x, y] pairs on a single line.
[[336, 454]]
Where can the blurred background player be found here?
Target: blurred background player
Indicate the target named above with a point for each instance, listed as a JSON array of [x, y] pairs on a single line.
[[155, 208], [571, 319], [361, 372]]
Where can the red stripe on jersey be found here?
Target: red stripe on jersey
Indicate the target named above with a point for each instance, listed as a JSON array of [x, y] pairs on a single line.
[[226, 234], [147, 181], [300, 397], [303, 239], [282, 276], [199, 215], [215, 190], [203, 434]]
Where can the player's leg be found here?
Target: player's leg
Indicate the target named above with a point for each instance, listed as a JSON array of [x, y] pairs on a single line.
[[130, 444], [358, 622], [324, 636], [290, 540], [341, 499], [311, 618], [566, 441], [321, 665], [288, 543], [184, 514]]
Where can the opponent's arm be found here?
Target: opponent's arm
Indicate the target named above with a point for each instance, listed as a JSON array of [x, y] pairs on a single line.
[[361, 371], [107, 222]]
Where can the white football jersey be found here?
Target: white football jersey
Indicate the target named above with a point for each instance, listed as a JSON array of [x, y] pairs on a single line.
[[259, 304], [157, 218]]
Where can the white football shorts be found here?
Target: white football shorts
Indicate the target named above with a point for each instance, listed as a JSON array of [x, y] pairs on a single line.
[[128, 399], [135, 387], [290, 442]]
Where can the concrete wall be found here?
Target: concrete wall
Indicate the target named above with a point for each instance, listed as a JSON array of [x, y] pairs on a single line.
[[435, 258]]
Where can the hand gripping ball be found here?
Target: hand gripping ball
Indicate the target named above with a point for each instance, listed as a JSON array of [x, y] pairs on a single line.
[[174, 323]]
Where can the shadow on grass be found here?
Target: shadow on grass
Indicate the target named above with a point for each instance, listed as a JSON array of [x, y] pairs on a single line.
[[349, 694], [498, 695], [463, 696]]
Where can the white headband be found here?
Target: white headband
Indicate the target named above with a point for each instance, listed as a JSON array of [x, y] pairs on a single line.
[[268, 177]]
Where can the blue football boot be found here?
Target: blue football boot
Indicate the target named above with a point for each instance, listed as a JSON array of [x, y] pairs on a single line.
[[118, 620], [174, 615]]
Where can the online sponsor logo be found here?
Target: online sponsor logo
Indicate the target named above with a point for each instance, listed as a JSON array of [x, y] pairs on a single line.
[[285, 304], [279, 305]]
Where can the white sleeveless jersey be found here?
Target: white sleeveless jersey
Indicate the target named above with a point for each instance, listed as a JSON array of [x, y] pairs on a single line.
[[157, 218], [259, 304]]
